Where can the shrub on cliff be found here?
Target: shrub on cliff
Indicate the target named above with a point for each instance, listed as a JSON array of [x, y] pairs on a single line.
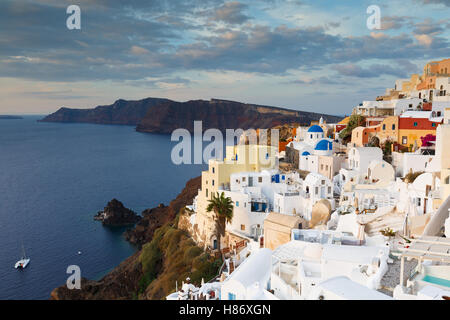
[[355, 120], [170, 257], [411, 176]]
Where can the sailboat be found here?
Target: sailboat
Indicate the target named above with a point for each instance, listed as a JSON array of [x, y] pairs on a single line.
[[22, 263]]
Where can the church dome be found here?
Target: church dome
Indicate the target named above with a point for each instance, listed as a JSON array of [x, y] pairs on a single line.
[[315, 128], [324, 145]]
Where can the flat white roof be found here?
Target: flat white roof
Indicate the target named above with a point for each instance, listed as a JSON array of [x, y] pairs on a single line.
[[254, 269], [350, 290], [354, 254]]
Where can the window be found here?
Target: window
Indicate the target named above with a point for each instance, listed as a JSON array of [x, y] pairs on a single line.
[[231, 296], [207, 193], [404, 140], [384, 126], [393, 127], [433, 124], [237, 203], [242, 227], [329, 190], [243, 179], [213, 170], [323, 182], [438, 113], [418, 202], [415, 124], [213, 182], [260, 179], [317, 190]]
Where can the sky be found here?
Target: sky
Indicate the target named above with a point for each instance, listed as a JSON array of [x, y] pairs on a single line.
[[306, 55]]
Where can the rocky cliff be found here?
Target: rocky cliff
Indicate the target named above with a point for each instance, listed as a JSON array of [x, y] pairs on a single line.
[[221, 114], [120, 112], [163, 116], [157, 217], [167, 255]]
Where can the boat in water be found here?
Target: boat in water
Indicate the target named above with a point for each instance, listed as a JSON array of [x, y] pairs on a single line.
[[22, 263]]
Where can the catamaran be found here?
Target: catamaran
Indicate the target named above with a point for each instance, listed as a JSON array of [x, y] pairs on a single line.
[[22, 263]]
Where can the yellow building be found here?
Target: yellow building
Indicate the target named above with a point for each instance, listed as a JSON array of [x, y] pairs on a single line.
[[388, 129], [240, 158], [408, 86]]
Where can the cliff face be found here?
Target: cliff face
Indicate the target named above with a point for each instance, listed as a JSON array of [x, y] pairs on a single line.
[[120, 112], [151, 272], [164, 116], [221, 114], [157, 217]]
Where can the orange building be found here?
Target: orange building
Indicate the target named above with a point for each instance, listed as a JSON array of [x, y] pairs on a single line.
[[361, 135], [413, 125]]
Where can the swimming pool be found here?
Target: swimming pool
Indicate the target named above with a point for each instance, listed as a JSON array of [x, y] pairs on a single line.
[[436, 280]]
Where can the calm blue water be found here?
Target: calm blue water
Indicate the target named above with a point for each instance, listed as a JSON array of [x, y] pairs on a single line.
[[54, 178]]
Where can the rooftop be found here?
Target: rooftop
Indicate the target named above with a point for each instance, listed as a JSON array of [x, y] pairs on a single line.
[[429, 248]]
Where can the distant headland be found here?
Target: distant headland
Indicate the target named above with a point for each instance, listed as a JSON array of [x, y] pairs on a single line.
[[5, 117], [158, 115]]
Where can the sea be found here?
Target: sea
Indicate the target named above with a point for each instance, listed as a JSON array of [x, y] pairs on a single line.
[[54, 177]]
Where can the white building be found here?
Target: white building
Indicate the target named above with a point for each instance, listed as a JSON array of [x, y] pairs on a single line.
[[359, 158], [315, 188], [251, 280], [392, 107], [342, 288], [414, 162], [300, 266]]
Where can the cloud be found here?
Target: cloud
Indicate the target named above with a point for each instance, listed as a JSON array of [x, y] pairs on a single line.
[[444, 2], [231, 12], [393, 22], [138, 50], [401, 69], [424, 39], [130, 40]]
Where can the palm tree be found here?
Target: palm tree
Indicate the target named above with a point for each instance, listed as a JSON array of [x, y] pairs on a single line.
[[223, 208]]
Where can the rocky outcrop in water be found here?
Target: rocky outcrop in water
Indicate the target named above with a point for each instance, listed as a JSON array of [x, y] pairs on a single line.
[[115, 214], [126, 280], [154, 218]]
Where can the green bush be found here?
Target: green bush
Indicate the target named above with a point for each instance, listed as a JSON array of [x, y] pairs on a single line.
[[170, 257], [354, 121], [411, 176]]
